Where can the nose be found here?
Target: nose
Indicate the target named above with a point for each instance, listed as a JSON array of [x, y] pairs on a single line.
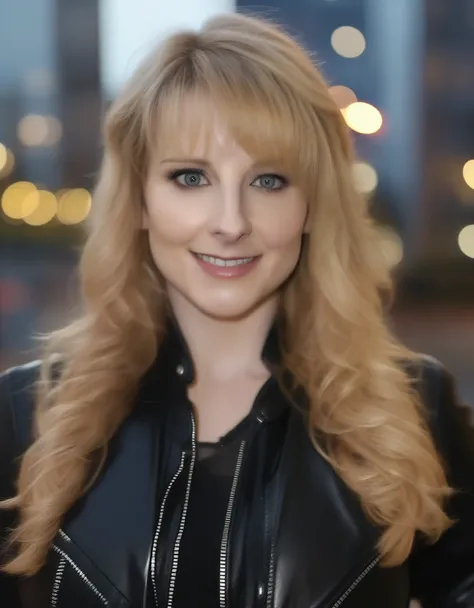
[[231, 222]]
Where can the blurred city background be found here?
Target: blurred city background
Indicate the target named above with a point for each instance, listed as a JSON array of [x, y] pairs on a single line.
[[401, 72]]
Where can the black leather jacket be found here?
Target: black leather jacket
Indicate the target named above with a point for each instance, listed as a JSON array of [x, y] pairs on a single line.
[[295, 535]]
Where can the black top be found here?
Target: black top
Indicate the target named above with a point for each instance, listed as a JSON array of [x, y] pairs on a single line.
[[199, 561]]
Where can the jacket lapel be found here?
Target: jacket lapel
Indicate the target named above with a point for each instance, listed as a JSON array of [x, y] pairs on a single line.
[[324, 540], [114, 523]]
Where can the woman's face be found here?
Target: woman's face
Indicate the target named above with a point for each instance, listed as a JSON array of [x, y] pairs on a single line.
[[225, 231]]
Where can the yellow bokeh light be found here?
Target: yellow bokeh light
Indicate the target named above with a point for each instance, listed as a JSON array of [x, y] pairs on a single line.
[[466, 241], [19, 200], [7, 161], [60, 193], [363, 118], [343, 96], [3, 156], [73, 205], [365, 177], [45, 209], [348, 41], [468, 173], [391, 245], [36, 130]]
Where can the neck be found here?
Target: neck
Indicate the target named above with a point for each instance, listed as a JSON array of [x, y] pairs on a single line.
[[222, 348]]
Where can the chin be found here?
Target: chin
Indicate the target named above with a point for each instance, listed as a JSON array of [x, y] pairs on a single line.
[[229, 305], [227, 311], [221, 304]]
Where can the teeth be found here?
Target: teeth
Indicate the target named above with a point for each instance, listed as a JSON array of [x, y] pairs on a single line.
[[220, 262]]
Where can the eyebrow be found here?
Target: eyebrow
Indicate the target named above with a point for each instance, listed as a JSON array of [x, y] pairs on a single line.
[[195, 161], [206, 163]]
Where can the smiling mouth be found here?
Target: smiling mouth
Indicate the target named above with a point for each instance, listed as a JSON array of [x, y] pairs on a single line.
[[216, 261]]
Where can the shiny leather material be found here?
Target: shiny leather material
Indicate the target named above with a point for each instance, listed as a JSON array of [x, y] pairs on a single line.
[[299, 537]]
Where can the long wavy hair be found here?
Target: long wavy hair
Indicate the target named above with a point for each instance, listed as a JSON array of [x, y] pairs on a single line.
[[337, 344]]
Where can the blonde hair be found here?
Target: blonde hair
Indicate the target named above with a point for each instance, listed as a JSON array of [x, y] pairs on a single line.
[[337, 344]]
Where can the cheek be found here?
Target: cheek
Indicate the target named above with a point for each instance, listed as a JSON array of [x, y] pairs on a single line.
[[170, 224], [284, 231]]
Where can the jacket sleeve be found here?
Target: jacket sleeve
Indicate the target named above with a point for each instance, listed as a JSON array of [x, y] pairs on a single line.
[[8, 585], [442, 574]]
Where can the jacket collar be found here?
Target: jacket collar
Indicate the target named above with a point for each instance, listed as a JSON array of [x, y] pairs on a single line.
[[174, 350], [173, 370]]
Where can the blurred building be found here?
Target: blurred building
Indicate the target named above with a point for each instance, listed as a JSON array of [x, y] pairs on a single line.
[[50, 107], [50, 92]]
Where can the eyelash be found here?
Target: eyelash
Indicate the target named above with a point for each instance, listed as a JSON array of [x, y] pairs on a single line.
[[174, 175]]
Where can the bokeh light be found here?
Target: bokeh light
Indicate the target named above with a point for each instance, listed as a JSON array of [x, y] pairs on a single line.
[[45, 209], [3, 156], [466, 241], [343, 96], [35, 130], [468, 173], [73, 205], [365, 177], [348, 41], [391, 245], [20, 200], [7, 161], [363, 118]]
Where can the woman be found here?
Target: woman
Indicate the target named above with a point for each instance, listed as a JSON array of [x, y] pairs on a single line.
[[230, 422]]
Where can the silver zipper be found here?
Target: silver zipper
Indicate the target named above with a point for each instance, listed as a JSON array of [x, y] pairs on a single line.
[[158, 527], [271, 576], [225, 534], [182, 523], [78, 571], [65, 536], [57, 582], [357, 581]]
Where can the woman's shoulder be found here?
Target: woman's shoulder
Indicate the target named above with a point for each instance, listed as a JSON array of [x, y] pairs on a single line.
[[442, 573], [450, 420], [17, 400], [428, 372], [18, 383], [20, 376], [437, 388]]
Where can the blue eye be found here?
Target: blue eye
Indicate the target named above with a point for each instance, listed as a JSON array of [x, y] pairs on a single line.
[[189, 178], [269, 181]]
